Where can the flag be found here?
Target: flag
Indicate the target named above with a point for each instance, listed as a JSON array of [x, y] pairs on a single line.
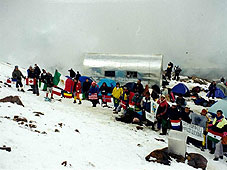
[[57, 91], [106, 98], [30, 81], [68, 95], [175, 124], [214, 136], [56, 79], [93, 96]]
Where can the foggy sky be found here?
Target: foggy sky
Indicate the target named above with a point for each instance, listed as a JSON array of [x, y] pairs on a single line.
[[57, 33]]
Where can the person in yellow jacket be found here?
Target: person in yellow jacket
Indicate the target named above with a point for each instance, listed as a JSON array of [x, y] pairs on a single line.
[[117, 92], [219, 120]]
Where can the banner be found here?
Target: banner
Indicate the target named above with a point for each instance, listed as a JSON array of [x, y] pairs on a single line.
[[193, 131], [150, 116], [106, 98], [93, 96]]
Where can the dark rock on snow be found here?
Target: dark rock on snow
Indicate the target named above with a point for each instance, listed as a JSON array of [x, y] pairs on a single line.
[[197, 161], [12, 99]]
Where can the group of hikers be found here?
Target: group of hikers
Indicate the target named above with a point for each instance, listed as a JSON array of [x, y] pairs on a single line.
[[136, 103]]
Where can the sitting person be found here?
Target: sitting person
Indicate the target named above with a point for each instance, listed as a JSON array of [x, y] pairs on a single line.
[[124, 100], [185, 115], [93, 94]]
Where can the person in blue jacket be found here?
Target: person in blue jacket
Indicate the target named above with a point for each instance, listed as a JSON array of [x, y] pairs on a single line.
[[93, 94]]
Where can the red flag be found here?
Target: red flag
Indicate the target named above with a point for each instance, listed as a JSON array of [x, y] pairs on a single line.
[[30, 81], [106, 98], [93, 96]]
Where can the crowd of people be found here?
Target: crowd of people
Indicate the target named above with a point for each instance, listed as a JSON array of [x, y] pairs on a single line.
[[134, 103]]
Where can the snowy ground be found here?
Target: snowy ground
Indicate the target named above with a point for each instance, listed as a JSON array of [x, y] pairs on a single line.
[[101, 143]]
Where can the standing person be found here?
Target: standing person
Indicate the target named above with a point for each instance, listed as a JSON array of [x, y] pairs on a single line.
[[177, 71], [138, 87], [161, 116], [72, 73], [212, 89], [104, 90], [219, 147], [181, 103], [50, 84], [78, 75], [77, 91], [185, 114], [117, 92], [145, 90], [17, 75], [42, 79], [86, 87], [37, 77], [155, 92], [174, 117], [124, 98], [169, 70], [93, 94]]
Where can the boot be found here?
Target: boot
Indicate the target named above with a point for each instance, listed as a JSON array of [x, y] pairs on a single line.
[[79, 102], [22, 90], [74, 101]]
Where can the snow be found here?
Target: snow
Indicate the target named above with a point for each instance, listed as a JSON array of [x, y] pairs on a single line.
[[101, 143]]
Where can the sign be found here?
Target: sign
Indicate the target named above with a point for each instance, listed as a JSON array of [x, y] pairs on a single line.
[[193, 131], [150, 116], [154, 107]]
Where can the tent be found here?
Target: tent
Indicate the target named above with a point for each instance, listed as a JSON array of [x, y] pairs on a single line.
[[182, 89], [218, 93], [220, 105], [130, 86], [82, 79], [222, 87], [109, 82]]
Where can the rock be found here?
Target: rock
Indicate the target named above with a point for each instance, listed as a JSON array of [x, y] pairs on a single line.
[[6, 84], [196, 160], [77, 131], [12, 99], [8, 149], [1, 81], [139, 127], [161, 140], [37, 131], [38, 113], [32, 126], [139, 145], [56, 130], [7, 117], [44, 133], [64, 163], [20, 119], [60, 124], [161, 156]]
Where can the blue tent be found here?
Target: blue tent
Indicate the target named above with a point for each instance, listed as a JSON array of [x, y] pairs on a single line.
[[181, 88], [83, 79], [130, 86], [109, 82], [218, 93], [220, 105]]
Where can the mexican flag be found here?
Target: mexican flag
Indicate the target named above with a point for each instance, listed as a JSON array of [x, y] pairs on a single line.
[[57, 91], [214, 136], [56, 79]]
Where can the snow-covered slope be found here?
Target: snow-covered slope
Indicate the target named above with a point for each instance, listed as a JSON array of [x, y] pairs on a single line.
[[89, 138]]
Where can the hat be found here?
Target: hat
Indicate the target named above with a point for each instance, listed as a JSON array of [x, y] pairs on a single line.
[[93, 83], [174, 104], [16, 66], [204, 111], [187, 106], [163, 96]]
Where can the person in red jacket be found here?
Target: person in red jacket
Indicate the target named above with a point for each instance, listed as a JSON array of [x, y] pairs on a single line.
[[161, 116], [77, 91]]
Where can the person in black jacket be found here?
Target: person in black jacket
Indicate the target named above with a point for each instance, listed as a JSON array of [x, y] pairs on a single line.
[[104, 89], [50, 84], [17, 75], [37, 72], [72, 73], [78, 75], [185, 114], [212, 89], [138, 87], [86, 87]]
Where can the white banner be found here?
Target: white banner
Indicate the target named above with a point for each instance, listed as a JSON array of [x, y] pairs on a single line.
[[193, 131], [151, 116]]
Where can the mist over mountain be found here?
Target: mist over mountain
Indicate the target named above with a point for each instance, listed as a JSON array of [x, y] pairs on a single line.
[[57, 33]]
